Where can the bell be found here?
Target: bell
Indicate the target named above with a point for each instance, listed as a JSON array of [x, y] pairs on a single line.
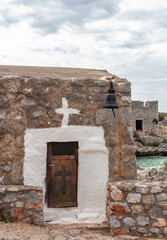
[[111, 101]]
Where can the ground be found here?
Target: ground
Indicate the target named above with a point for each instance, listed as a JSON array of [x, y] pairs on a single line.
[[24, 231]]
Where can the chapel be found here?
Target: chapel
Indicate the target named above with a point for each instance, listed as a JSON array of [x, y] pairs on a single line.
[[59, 146]]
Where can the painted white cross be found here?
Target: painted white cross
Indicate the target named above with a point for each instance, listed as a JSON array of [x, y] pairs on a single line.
[[66, 111]]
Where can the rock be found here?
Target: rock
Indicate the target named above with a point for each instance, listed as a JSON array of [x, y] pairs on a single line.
[[161, 203], [17, 213], [37, 219], [164, 212], [5, 167], [3, 114], [148, 199], [119, 231], [163, 145], [118, 208], [142, 189], [149, 140], [139, 167], [14, 88], [125, 100], [136, 209], [161, 197], [133, 198], [152, 171], [11, 197], [138, 144], [129, 222], [142, 230], [27, 102], [142, 174], [142, 221], [124, 87], [115, 194], [154, 212], [19, 204], [38, 113], [157, 189], [148, 235], [159, 222], [114, 223], [155, 230]]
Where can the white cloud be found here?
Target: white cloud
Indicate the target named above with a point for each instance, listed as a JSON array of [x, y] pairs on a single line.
[[127, 37]]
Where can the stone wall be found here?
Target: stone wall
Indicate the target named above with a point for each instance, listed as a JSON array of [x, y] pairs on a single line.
[[30, 102], [148, 113], [138, 208], [20, 203]]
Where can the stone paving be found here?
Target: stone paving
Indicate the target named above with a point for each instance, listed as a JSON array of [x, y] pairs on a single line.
[[24, 231]]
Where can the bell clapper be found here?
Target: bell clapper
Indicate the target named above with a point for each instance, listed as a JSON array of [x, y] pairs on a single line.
[[113, 113]]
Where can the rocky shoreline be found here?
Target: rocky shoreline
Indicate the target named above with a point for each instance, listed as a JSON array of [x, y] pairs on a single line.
[[150, 146], [141, 150], [152, 174]]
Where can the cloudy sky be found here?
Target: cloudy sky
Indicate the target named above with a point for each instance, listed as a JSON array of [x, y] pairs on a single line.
[[126, 37]]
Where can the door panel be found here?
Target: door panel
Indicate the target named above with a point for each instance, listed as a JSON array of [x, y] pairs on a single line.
[[62, 178]]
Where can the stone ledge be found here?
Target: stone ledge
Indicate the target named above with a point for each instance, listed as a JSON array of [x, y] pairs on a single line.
[[147, 208], [21, 203], [16, 188]]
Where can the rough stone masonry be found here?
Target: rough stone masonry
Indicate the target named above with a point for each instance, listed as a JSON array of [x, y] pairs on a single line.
[[138, 208], [29, 97]]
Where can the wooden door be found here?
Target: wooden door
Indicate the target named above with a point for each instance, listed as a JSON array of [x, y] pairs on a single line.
[[62, 174]]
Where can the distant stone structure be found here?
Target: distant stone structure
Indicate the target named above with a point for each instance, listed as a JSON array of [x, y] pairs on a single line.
[[145, 117]]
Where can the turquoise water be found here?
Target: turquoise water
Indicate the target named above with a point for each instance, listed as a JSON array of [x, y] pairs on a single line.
[[147, 162]]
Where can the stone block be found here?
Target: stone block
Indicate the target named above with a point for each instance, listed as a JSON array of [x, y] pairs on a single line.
[[27, 102], [161, 197], [114, 223], [154, 212], [157, 189], [161, 204], [137, 209], [142, 189], [19, 204], [36, 206], [164, 212], [18, 213], [38, 113], [134, 198], [159, 222], [37, 219], [3, 114], [142, 221], [148, 199], [142, 230], [10, 197], [125, 100], [118, 208], [125, 115], [124, 87], [115, 194], [129, 222], [155, 230], [148, 235], [119, 231]]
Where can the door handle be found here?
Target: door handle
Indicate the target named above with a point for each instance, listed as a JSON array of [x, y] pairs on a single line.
[[51, 165]]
